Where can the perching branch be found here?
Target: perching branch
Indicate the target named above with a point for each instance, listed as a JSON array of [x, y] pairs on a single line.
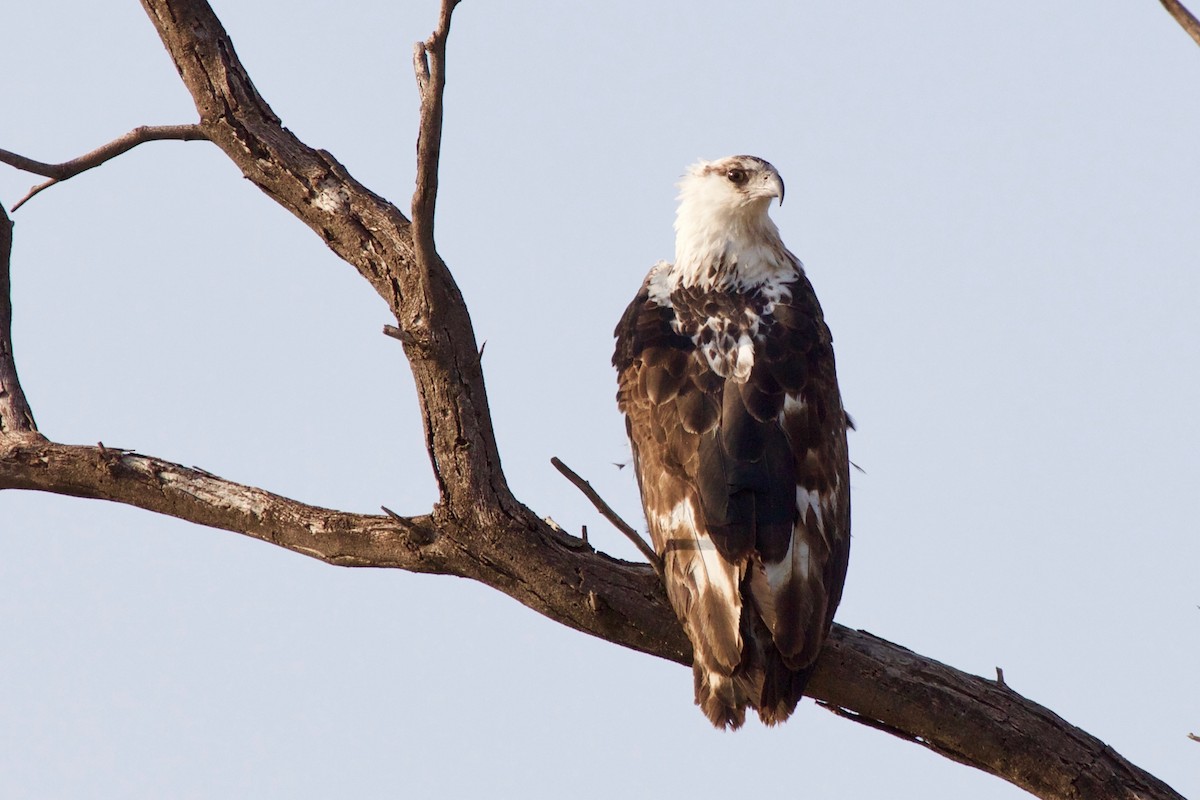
[[1184, 17], [15, 413], [478, 529], [197, 496], [69, 169], [540, 567]]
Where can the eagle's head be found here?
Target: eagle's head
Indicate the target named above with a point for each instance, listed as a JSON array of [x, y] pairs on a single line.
[[722, 217], [734, 186]]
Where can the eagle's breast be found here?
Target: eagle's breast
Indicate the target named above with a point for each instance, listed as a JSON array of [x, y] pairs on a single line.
[[727, 327]]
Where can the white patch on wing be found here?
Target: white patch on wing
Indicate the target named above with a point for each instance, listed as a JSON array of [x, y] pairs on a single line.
[[793, 404], [796, 563], [680, 524], [743, 360], [806, 499], [658, 283], [682, 516], [801, 559], [703, 586], [717, 570], [780, 572]]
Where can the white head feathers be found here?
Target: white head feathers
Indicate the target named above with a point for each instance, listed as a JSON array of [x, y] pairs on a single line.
[[723, 234]]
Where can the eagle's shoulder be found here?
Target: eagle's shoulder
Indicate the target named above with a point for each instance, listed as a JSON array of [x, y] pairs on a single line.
[[648, 318]]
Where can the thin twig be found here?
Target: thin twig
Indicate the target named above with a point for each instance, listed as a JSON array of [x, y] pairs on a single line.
[[69, 169], [606, 511], [15, 413], [1184, 17], [429, 64]]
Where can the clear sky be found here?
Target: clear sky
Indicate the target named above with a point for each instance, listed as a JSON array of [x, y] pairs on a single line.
[[998, 204]]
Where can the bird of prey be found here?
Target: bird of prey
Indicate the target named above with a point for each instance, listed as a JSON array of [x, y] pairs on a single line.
[[727, 382]]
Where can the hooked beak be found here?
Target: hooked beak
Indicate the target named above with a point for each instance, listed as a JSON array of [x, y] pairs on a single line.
[[773, 186]]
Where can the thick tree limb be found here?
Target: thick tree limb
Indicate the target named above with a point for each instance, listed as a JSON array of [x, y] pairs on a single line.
[[974, 721], [478, 530], [15, 413], [69, 169], [545, 569], [1184, 17], [964, 717]]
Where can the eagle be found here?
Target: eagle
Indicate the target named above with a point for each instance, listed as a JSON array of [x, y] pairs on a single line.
[[727, 382]]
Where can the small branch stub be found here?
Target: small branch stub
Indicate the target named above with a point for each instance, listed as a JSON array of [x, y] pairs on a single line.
[[421, 535]]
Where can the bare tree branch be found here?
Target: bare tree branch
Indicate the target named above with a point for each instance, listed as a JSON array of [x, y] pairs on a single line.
[[15, 413], [544, 569], [964, 717], [69, 169], [437, 285], [1184, 17], [198, 496], [478, 530], [429, 64], [367, 232], [974, 721], [607, 512]]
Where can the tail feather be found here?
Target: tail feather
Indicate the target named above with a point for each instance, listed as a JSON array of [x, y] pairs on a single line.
[[782, 689], [762, 680], [722, 698]]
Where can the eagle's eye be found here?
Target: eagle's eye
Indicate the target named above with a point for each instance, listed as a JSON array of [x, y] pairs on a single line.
[[737, 176]]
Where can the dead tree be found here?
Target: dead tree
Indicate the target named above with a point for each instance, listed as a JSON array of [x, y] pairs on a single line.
[[478, 529]]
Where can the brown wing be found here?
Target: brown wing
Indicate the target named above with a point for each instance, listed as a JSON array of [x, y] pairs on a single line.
[[743, 494], [669, 405], [802, 574]]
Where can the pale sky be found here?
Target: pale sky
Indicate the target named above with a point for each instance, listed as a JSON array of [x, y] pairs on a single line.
[[998, 204]]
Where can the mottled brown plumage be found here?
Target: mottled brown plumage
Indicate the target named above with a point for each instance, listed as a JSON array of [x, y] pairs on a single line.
[[727, 382]]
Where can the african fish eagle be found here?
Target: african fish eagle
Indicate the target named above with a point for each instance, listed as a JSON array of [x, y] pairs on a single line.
[[731, 402]]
